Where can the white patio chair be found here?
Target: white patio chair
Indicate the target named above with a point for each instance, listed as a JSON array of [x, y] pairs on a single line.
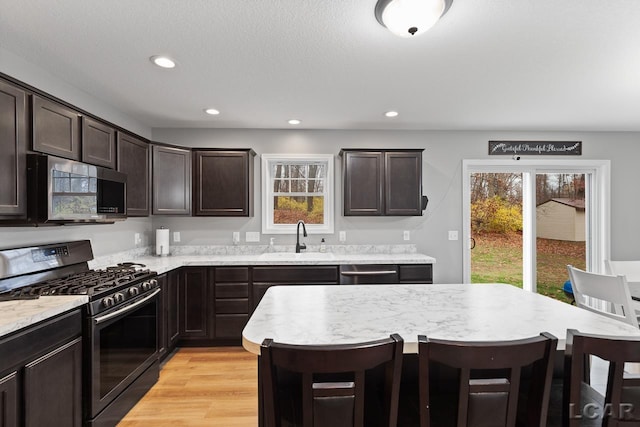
[[603, 294]]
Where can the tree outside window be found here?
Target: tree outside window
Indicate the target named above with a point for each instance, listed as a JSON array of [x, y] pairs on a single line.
[[297, 187]]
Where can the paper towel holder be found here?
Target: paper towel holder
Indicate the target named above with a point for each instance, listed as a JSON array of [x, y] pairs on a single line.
[[162, 242]]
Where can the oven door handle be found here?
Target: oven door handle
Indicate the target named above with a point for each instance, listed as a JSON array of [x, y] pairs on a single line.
[[126, 309]]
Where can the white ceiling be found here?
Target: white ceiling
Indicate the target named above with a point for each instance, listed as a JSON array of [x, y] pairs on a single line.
[[487, 65]]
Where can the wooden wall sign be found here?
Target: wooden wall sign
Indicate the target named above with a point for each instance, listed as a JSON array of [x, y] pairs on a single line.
[[535, 148]]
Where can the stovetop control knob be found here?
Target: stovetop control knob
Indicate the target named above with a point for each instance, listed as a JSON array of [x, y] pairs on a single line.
[[154, 283], [146, 286], [119, 297], [108, 301], [133, 291]]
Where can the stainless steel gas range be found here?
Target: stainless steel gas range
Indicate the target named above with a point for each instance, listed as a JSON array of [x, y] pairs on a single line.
[[120, 330]]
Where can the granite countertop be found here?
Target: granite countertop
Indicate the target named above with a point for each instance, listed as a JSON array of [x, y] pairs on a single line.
[[15, 315], [167, 263], [481, 312]]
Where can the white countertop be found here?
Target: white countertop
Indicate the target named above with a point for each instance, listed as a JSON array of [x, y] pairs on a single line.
[[167, 263], [15, 315], [350, 314]]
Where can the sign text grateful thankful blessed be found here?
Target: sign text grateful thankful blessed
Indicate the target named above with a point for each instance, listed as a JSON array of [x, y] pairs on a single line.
[[537, 148]]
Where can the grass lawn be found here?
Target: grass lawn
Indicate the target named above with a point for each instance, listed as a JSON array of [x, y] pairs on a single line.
[[497, 258]]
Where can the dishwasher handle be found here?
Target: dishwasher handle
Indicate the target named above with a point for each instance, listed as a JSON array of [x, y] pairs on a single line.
[[368, 273]]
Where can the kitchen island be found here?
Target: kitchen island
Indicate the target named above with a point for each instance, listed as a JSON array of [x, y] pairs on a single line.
[[479, 312]]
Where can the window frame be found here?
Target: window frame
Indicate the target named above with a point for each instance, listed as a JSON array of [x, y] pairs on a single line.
[[268, 227]]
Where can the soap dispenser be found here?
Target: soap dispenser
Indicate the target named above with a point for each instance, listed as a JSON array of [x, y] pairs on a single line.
[[323, 247]]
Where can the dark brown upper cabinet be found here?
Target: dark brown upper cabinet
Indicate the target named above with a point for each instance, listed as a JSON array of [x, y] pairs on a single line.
[[382, 182], [13, 145], [223, 182], [98, 143], [56, 129], [171, 180], [134, 160]]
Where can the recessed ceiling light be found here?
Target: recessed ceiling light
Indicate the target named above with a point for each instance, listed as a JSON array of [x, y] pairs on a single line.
[[391, 114], [163, 61], [294, 122], [212, 111]]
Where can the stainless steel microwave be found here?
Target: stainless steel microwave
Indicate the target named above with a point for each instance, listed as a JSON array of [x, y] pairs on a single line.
[[62, 191]]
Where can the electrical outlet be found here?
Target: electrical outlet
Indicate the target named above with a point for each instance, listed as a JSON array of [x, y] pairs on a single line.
[[252, 236], [343, 236], [137, 239], [236, 237], [453, 234], [406, 235], [176, 236]]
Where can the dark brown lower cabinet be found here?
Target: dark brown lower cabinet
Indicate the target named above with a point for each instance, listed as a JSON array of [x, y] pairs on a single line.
[[9, 400], [195, 304], [173, 307], [211, 305], [53, 387], [416, 273], [41, 371], [231, 302], [163, 318], [267, 276]]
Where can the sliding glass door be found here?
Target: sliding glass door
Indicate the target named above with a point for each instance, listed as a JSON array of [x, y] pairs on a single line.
[[526, 220]]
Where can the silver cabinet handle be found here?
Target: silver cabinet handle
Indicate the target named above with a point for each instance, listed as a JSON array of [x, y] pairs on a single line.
[[126, 309], [368, 273]]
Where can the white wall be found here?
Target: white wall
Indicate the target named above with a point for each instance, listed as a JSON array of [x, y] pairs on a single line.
[[443, 156]]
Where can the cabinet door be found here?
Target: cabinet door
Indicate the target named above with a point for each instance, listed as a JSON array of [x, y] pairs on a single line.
[[13, 144], [133, 159], [173, 306], [195, 306], [9, 401], [362, 175], [403, 183], [171, 181], [163, 318], [222, 183], [416, 273], [53, 387], [56, 129], [98, 143]]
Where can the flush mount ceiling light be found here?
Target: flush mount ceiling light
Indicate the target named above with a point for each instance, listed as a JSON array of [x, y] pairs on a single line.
[[212, 111], [406, 18], [163, 61], [294, 122], [391, 114]]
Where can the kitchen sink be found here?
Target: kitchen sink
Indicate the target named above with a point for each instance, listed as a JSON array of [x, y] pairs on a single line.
[[292, 256]]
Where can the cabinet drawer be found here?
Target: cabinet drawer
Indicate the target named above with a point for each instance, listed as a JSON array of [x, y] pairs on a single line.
[[232, 290], [232, 274], [290, 274], [230, 325], [238, 306], [418, 273]]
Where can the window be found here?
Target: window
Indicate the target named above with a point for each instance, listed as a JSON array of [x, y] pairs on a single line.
[[593, 187], [297, 187]]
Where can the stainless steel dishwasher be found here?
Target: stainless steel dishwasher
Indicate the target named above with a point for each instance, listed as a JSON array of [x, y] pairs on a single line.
[[361, 274]]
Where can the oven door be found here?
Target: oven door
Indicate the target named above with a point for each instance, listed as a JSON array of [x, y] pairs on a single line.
[[123, 344]]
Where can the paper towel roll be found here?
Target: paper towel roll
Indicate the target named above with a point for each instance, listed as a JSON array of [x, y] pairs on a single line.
[[162, 241]]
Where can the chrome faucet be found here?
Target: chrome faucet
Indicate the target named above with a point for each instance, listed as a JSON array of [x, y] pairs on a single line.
[[299, 246]]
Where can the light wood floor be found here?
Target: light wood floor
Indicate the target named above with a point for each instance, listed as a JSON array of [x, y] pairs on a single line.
[[201, 387]]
